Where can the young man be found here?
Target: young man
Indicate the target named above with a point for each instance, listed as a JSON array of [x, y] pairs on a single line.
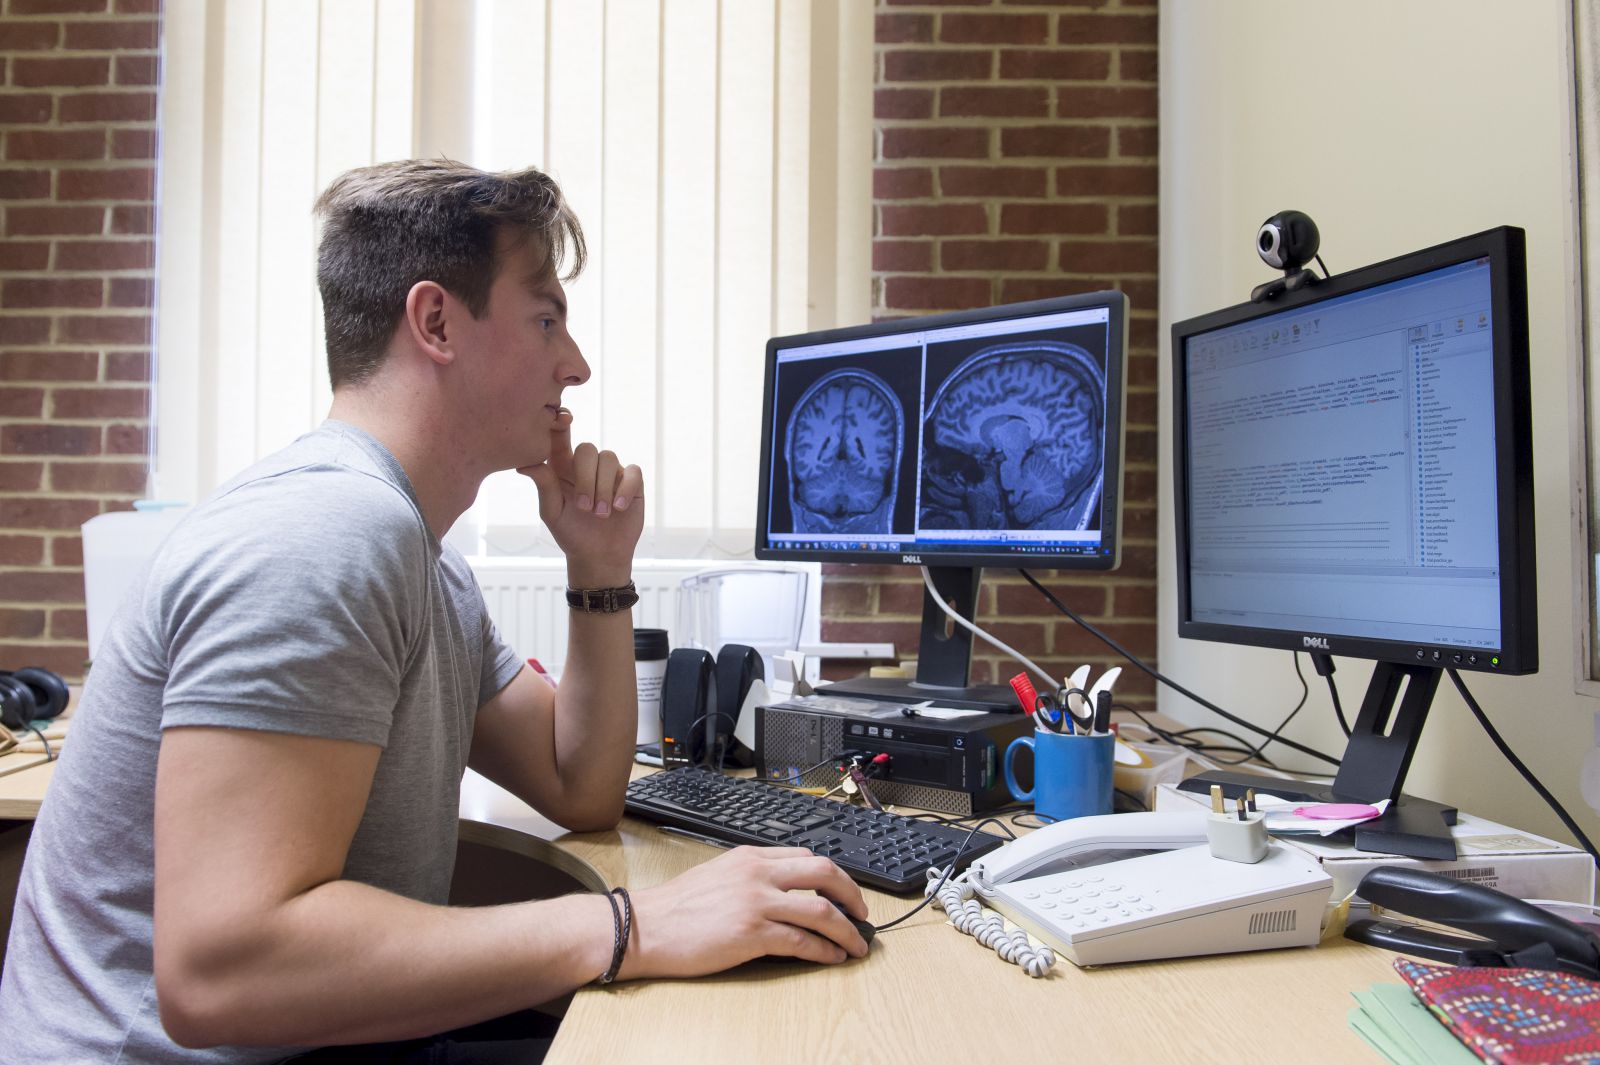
[[249, 841]]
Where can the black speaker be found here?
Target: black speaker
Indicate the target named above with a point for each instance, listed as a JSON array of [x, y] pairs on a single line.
[[30, 695], [738, 667], [688, 705]]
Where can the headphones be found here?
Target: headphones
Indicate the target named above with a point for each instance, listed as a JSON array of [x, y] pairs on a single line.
[[29, 695]]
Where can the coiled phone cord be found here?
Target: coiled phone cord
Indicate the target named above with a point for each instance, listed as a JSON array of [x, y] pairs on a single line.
[[955, 897]]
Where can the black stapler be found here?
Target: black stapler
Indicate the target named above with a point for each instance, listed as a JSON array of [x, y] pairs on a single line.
[[1505, 931]]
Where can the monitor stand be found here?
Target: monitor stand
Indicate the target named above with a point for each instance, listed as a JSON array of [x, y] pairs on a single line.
[[944, 655], [1373, 768]]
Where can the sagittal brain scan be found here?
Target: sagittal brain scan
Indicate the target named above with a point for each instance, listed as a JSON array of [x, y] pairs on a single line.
[[1012, 439], [844, 446]]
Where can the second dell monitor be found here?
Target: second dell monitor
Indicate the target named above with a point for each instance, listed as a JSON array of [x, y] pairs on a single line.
[[989, 437]]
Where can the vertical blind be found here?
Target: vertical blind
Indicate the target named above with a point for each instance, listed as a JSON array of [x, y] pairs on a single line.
[[717, 153]]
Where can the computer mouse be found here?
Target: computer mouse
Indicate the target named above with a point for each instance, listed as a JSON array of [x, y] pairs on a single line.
[[866, 928]]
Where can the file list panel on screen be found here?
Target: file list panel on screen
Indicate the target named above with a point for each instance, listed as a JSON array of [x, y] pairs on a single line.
[[1342, 466]]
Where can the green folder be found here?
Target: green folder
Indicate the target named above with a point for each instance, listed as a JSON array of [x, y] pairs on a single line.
[[1403, 1030]]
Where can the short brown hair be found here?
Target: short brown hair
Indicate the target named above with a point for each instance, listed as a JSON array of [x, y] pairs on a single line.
[[389, 226]]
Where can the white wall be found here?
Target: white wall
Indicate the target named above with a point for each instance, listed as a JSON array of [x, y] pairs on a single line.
[[1396, 124]]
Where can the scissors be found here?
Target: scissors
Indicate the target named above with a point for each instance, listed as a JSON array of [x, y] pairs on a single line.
[[1075, 703], [1049, 715]]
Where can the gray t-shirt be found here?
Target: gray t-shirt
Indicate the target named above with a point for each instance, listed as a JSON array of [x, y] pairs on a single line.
[[306, 596]]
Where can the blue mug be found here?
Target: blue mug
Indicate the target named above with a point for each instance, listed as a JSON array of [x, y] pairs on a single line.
[[1071, 774]]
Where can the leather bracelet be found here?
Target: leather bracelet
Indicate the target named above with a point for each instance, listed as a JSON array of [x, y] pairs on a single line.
[[602, 600], [621, 931]]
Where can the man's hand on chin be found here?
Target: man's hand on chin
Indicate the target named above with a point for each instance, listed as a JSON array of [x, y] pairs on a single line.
[[593, 506]]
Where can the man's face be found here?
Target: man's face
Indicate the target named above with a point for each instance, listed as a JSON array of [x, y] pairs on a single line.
[[521, 358]]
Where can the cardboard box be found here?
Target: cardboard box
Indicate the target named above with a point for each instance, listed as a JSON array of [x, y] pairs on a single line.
[[1508, 859]]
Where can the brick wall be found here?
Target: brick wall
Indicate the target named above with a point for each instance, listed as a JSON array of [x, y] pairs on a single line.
[[1015, 160], [77, 173]]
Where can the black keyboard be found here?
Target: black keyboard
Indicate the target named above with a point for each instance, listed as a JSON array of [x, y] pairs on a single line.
[[874, 847]]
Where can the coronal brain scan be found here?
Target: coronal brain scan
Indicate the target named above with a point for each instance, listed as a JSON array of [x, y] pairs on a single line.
[[844, 446], [1012, 439]]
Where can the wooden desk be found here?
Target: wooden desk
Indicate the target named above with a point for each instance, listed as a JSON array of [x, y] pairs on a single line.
[[926, 993]]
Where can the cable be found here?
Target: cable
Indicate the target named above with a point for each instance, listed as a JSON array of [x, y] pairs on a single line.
[[722, 750], [1174, 685], [927, 581], [949, 869], [1325, 274], [1338, 708], [1305, 693], [49, 755], [1494, 737], [798, 777]]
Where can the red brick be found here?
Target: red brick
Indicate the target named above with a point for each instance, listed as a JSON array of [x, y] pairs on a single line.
[[992, 182], [902, 29], [1107, 181], [933, 219], [66, 660], [1109, 256], [31, 292], [43, 512], [109, 107], [21, 477], [1142, 408], [121, 478], [941, 142], [902, 103], [25, 439], [129, 183], [24, 184], [1138, 65], [1137, 219], [20, 329], [133, 144], [105, 329], [132, 292], [902, 183], [21, 624], [122, 35], [1056, 142], [1138, 523], [1139, 445], [28, 36], [844, 597], [1017, 598], [132, 220], [1099, 102], [153, 7], [105, 255], [54, 221], [21, 550], [1106, 29], [64, 71], [24, 255], [914, 65], [70, 624], [1033, 218], [1138, 141], [900, 597], [994, 29], [127, 439], [1142, 334], [21, 402], [77, 403], [56, 144], [127, 365], [1037, 64], [18, 108], [55, 7], [136, 70], [994, 255], [1141, 294], [936, 293], [1141, 369], [903, 634], [1020, 101], [1137, 638], [1021, 289], [49, 366], [902, 256], [66, 550], [938, 3]]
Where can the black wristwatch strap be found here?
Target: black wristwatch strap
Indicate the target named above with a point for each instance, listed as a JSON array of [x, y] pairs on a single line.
[[602, 600]]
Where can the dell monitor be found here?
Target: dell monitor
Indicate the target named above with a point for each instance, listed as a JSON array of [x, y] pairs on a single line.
[[1354, 476], [990, 437]]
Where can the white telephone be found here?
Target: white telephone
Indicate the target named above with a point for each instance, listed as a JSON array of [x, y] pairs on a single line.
[[1135, 887]]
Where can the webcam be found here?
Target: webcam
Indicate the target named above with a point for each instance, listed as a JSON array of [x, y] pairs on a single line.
[[1287, 241]]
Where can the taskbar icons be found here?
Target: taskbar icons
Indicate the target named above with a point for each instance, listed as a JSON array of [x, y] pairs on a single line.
[[950, 546]]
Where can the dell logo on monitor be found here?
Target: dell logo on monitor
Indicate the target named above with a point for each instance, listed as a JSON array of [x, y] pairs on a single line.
[[914, 560], [1316, 643]]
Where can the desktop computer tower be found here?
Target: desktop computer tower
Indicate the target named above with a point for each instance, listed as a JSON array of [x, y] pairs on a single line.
[[945, 766]]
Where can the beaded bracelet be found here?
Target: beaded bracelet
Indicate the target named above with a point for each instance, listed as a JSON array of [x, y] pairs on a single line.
[[621, 930]]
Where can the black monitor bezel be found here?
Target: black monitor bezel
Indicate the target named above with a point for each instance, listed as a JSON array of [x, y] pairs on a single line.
[[1116, 416], [1504, 247]]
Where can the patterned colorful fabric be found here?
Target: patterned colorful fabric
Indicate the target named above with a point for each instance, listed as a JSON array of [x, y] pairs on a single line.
[[1515, 1016]]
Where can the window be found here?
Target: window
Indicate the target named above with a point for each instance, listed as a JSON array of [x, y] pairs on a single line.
[[718, 155]]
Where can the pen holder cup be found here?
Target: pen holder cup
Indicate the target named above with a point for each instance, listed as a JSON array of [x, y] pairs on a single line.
[[1071, 774]]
